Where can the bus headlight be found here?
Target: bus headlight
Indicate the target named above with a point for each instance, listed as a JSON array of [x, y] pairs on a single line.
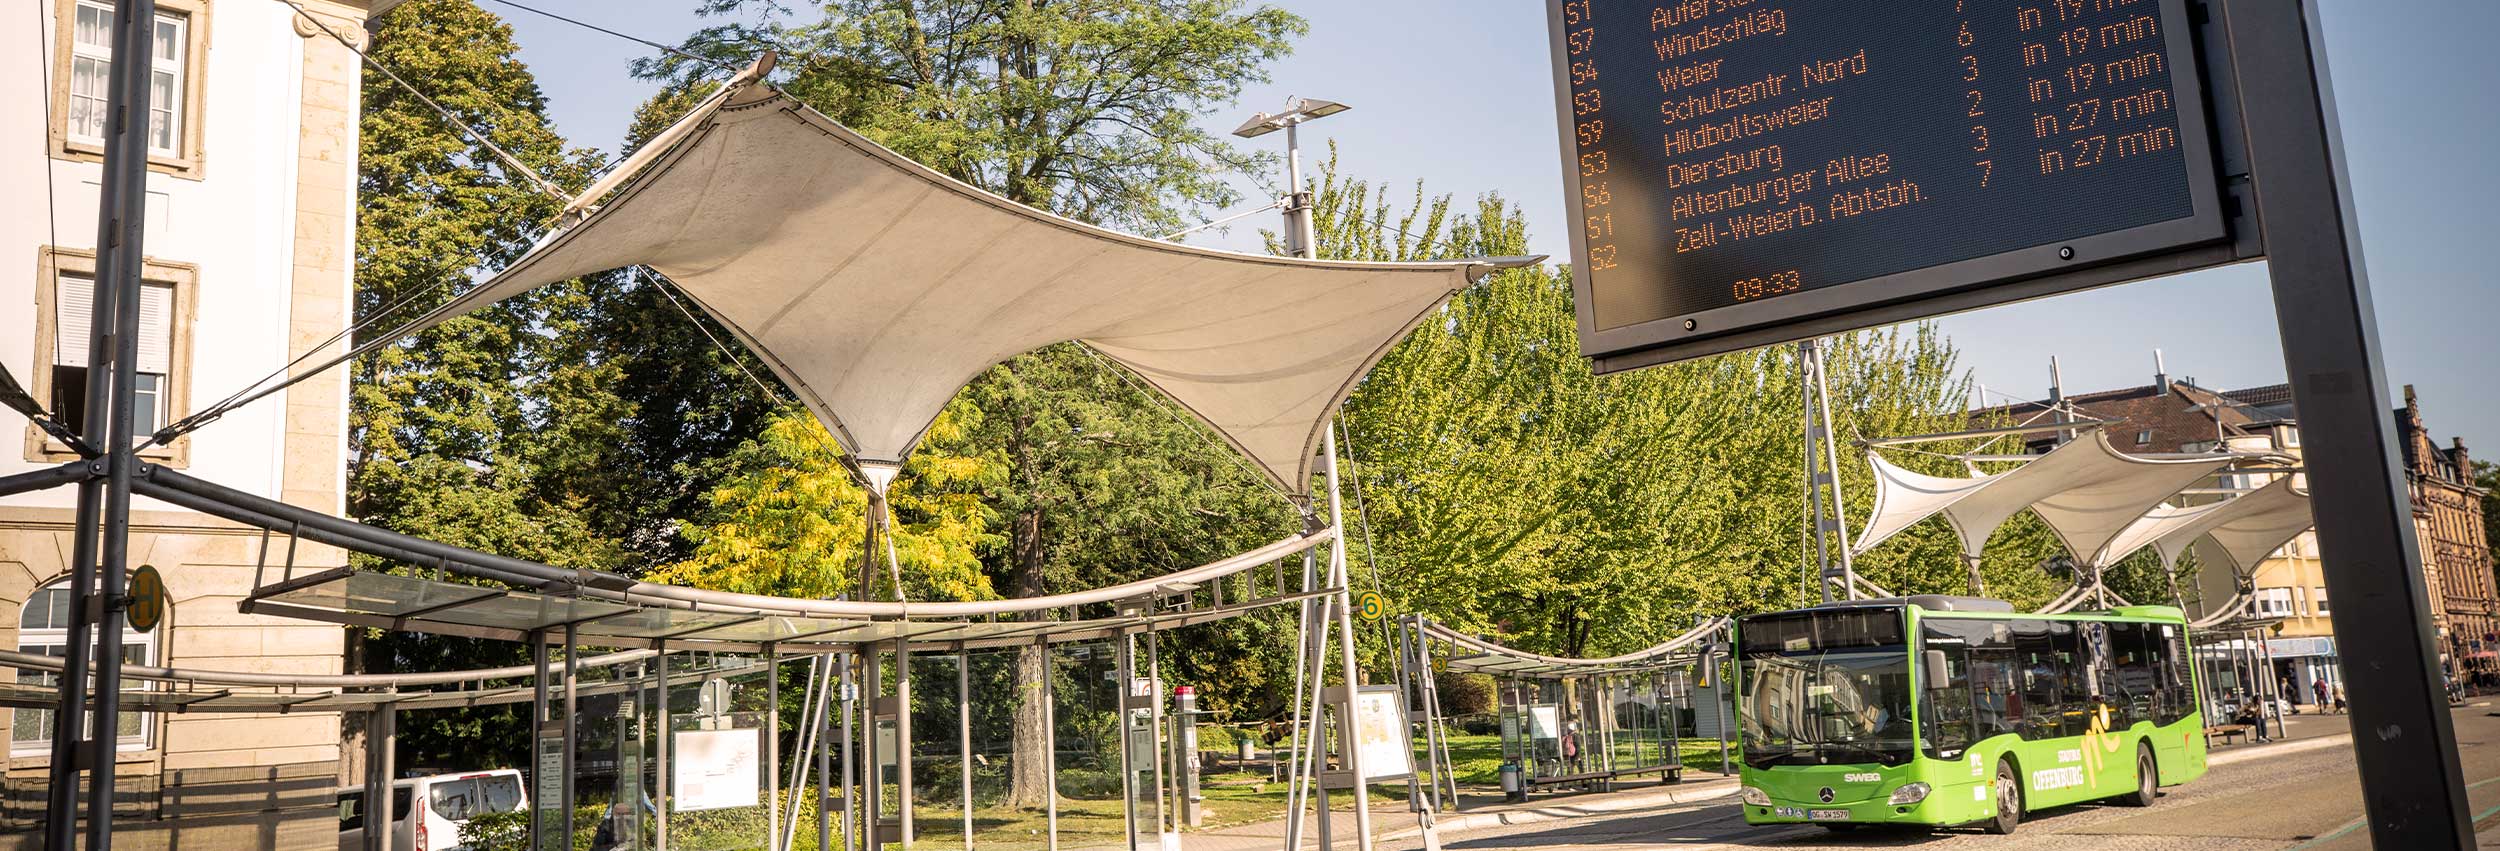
[[1757, 797], [1909, 793]]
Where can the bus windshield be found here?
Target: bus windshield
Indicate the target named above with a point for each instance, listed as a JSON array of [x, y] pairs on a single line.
[[1827, 708], [1826, 686]]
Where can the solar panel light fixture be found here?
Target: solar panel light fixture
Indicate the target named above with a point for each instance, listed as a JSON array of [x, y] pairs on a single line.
[[1302, 109]]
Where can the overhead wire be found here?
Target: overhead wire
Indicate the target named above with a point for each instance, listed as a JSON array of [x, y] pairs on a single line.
[[511, 163], [635, 39], [1161, 400], [664, 285], [43, 418], [260, 389]]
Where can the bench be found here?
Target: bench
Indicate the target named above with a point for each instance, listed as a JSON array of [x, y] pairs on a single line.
[[2226, 731]]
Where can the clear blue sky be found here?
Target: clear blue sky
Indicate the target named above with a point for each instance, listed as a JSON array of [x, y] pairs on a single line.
[[1456, 93]]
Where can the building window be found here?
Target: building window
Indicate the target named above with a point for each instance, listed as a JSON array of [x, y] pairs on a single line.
[[2274, 602], [74, 308], [65, 297], [2143, 437], [2318, 594], [43, 628], [85, 64]]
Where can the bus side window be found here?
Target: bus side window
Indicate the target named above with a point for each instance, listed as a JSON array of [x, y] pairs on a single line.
[[2043, 698], [1947, 710], [2171, 661], [2133, 681]]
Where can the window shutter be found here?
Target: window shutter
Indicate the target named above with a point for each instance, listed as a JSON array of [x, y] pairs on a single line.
[[73, 303], [156, 330]]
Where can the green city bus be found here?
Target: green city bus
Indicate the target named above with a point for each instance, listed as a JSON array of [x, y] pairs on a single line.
[[1935, 711]]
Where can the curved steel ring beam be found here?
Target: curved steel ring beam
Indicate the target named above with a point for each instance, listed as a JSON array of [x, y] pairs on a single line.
[[254, 510]]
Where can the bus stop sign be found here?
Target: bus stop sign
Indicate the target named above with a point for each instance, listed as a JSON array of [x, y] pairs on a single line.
[[148, 601]]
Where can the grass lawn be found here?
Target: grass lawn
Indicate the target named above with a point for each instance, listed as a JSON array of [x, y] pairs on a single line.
[[1232, 800]]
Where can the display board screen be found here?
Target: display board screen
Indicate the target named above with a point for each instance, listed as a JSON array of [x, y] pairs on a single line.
[[1739, 163]]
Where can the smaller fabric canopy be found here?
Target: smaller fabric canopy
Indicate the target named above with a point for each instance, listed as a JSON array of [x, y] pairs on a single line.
[[2085, 491], [2244, 531]]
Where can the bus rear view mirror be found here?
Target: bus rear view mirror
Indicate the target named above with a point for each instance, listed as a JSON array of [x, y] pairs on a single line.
[[1933, 671]]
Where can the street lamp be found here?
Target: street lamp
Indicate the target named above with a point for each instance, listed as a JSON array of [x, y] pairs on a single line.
[[1299, 238]]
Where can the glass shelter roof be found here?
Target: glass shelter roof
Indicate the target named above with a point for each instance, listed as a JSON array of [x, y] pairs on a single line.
[[390, 601]]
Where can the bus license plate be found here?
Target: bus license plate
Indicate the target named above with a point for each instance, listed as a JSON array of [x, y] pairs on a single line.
[[1827, 815]]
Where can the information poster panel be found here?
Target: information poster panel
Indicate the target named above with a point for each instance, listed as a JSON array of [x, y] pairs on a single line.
[[716, 769], [1382, 734], [1741, 165]]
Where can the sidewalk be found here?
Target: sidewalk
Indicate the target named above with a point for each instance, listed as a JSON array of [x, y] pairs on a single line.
[[1642, 796]]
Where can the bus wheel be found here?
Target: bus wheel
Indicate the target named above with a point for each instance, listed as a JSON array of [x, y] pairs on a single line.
[[2147, 779], [2009, 801]]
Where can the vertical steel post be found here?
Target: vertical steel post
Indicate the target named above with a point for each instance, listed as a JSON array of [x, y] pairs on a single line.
[[1125, 661], [2413, 789], [850, 766], [963, 733], [772, 747], [96, 584], [902, 733], [1340, 576], [385, 753], [662, 792], [824, 747], [538, 741], [1050, 745], [572, 734]]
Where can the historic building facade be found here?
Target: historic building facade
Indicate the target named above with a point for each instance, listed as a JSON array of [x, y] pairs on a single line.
[[249, 263], [2448, 518]]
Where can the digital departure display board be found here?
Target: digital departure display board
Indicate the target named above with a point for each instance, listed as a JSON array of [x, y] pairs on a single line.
[[1737, 165]]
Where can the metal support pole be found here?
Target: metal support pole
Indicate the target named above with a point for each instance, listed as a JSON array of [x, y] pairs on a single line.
[[539, 781], [386, 732], [902, 735], [2274, 684], [663, 791], [772, 747], [1718, 710], [1125, 662], [824, 745], [1155, 727], [97, 585], [1353, 673], [1050, 746], [963, 734], [1297, 756], [2413, 789], [850, 765], [572, 733]]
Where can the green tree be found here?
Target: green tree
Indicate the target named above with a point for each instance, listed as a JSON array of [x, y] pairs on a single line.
[[1086, 108], [788, 519], [446, 429], [1511, 491]]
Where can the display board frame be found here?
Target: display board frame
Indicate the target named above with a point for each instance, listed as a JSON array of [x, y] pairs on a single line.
[[2049, 267]]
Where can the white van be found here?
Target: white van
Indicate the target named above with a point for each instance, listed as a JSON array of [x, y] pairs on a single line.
[[427, 812]]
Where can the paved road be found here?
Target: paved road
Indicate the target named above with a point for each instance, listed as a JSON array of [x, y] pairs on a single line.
[[2305, 800]]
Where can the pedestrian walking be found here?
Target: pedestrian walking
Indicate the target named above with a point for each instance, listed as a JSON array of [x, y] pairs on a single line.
[[2339, 699], [2319, 688]]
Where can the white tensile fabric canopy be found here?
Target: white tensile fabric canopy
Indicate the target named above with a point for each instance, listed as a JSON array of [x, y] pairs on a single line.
[[2242, 532], [2233, 532], [876, 287], [2087, 493]]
